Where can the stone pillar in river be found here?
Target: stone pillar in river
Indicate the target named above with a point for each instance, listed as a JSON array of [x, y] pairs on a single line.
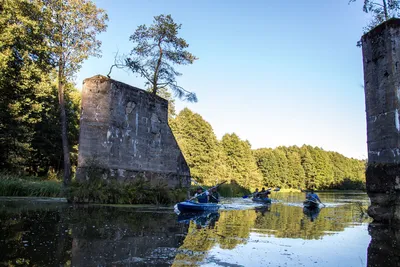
[[381, 59], [124, 135]]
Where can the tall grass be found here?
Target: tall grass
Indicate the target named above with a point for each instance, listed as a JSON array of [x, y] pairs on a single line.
[[13, 185], [106, 191]]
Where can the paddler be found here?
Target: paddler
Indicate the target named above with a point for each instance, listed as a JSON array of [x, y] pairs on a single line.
[[312, 196], [201, 197], [213, 196], [256, 193]]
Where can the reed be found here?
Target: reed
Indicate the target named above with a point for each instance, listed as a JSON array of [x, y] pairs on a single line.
[[14, 185]]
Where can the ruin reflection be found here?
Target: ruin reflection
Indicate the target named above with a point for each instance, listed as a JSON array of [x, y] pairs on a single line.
[[109, 237], [384, 248]]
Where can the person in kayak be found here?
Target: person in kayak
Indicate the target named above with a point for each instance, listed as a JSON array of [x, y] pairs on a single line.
[[201, 197], [213, 197], [264, 193], [312, 196], [256, 193]]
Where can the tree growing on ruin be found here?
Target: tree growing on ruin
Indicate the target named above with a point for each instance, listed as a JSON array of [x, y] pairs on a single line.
[[157, 49], [381, 11], [73, 26]]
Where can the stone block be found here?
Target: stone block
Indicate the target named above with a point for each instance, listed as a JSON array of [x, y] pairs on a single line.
[[126, 130]]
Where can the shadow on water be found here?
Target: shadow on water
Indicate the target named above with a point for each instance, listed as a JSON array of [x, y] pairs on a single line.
[[282, 234]]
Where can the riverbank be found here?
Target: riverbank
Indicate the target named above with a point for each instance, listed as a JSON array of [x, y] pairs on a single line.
[[111, 192], [28, 186]]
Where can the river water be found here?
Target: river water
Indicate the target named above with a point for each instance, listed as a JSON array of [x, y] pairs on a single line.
[[50, 232]]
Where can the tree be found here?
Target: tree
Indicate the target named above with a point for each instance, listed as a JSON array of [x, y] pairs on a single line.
[[296, 175], [73, 26], [24, 78], [199, 145], [267, 164], [381, 11], [240, 159], [156, 48]]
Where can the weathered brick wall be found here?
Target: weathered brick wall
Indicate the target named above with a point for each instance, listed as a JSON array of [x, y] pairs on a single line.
[[125, 131], [381, 58]]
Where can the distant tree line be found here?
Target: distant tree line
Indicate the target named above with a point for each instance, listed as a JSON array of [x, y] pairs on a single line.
[[211, 160]]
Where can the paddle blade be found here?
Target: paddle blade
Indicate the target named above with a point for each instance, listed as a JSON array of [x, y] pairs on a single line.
[[245, 196]]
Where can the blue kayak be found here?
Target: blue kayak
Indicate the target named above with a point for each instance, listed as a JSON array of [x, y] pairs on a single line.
[[311, 204], [188, 206], [261, 200]]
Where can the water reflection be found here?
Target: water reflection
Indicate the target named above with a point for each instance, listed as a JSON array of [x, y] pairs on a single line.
[[115, 236], [384, 249], [56, 234], [87, 236], [205, 219]]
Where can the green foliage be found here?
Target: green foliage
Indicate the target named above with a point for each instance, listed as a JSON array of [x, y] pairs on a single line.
[[199, 145], [232, 159], [99, 190], [226, 190], [156, 47], [240, 160], [24, 79], [42, 42], [12, 185], [309, 167], [72, 29], [381, 11], [233, 190]]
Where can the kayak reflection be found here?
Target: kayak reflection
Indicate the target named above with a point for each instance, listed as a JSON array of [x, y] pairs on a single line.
[[202, 220], [311, 213], [263, 209]]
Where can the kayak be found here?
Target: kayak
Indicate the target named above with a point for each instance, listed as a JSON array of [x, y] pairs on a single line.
[[261, 200], [311, 204], [189, 206]]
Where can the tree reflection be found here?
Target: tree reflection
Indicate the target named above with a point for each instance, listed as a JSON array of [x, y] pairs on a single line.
[[34, 238], [233, 228], [283, 221], [290, 222]]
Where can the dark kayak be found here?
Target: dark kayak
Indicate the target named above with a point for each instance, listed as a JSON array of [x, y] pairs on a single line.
[[188, 206], [261, 200], [311, 204]]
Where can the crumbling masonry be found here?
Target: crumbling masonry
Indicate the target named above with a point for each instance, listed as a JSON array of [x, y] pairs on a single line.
[[124, 133]]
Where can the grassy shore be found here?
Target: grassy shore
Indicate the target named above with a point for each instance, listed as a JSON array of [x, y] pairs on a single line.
[[14, 185], [108, 192]]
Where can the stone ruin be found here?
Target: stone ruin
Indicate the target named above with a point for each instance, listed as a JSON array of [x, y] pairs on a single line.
[[124, 133], [381, 59]]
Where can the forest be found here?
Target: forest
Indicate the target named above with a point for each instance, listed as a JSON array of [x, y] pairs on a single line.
[[232, 159]]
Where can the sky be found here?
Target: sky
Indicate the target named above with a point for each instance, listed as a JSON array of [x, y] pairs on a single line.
[[277, 73]]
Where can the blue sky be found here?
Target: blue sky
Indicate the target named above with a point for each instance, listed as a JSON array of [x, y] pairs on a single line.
[[274, 72]]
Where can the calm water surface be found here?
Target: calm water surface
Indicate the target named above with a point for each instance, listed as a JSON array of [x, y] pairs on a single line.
[[35, 232]]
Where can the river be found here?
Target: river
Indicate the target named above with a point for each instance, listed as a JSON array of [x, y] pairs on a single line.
[[50, 232]]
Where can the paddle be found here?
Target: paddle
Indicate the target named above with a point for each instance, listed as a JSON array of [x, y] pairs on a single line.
[[269, 189], [206, 191]]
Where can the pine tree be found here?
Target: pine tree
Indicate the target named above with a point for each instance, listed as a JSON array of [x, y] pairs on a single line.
[[241, 160], [199, 145]]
